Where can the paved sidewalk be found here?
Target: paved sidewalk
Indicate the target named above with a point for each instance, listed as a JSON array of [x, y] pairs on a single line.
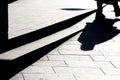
[[73, 60]]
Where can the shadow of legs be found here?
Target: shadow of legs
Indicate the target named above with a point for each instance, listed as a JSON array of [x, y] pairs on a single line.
[[97, 32]]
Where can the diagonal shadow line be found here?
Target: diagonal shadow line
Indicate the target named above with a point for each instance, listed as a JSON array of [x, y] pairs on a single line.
[[18, 64], [41, 33]]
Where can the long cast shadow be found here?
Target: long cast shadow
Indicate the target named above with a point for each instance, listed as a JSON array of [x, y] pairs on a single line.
[[97, 32], [38, 34], [10, 68]]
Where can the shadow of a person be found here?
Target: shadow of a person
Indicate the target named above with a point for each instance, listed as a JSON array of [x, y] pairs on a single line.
[[97, 32]]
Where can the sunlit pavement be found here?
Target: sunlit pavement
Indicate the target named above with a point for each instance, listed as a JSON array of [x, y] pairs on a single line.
[[77, 58]]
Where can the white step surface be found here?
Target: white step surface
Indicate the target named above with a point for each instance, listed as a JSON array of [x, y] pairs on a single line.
[[17, 52]]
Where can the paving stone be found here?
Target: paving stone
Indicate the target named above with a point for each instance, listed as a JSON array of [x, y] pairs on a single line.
[[109, 48], [106, 58], [71, 43], [69, 57], [89, 64], [111, 71], [79, 52], [38, 69], [49, 63], [81, 70], [96, 77], [74, 47], [49, 77]]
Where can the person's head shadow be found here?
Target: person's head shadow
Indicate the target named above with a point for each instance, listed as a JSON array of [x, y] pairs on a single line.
[[100, 30]]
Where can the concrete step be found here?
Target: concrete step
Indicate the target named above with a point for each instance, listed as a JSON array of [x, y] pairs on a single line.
[[41, 38], [23, 56]]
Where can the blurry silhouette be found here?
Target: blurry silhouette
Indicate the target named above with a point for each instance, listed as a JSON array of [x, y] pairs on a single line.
[[112, 2], [97, 32]]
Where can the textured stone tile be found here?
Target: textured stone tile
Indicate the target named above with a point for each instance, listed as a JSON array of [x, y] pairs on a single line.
[[80, 70], [71, 43], [89, 64], [70, 57], [64, 76], [70, 47], [110, 52], [109, 48], [49, 77], [38, 69], [96, 77], [79, 52], [40, 77], [49, 63], [106, 58], [111, 71]]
